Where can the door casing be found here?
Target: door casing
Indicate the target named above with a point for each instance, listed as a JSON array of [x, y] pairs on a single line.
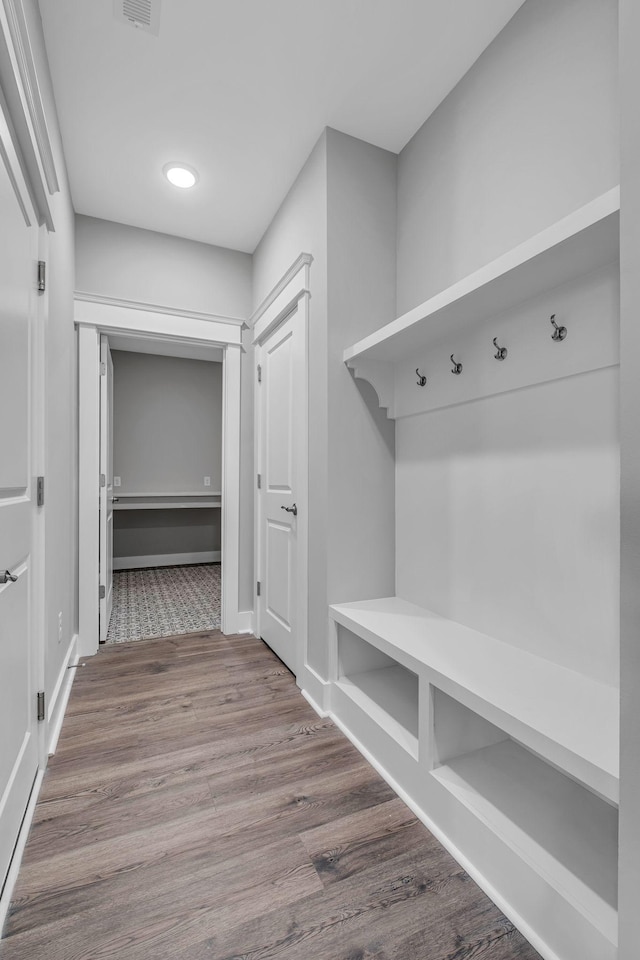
[[36, 467], [292, 290], [99, 316]]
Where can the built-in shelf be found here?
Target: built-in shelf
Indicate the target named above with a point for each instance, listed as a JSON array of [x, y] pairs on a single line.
[[389, 695], [567, 718], [577, 245], [188, 502], [566, 834]]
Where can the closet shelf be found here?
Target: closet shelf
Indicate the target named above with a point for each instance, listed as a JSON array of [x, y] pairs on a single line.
[[163, 502], [569, 719]]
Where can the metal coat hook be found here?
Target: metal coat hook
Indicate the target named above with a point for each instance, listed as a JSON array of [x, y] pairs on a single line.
[[501, 351], [457, 367], [559, 333], [422, 380]]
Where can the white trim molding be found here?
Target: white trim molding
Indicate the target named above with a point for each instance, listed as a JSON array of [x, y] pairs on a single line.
[[246, 620], [304, 260], [60, 697], [23, 65], [138, 321], [316, 691], [156, 308], [291, 291], [93, 319]]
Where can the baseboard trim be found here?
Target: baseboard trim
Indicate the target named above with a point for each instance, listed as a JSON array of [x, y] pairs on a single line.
[[60, 695], [245, 622], [513, 915], [315, 690], [166, 560], [14, 869]]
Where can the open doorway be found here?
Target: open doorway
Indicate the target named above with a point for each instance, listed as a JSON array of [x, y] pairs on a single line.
[[135, 329], [162, 496]]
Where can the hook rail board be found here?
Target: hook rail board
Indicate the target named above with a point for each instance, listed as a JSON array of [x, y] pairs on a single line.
[[567, 273]]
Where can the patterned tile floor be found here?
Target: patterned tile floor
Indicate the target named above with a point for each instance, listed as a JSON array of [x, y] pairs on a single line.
[[163, 601]]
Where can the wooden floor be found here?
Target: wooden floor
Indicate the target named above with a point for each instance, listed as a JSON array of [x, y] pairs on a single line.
[[198, 808]]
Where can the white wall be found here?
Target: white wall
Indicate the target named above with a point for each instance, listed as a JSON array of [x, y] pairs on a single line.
[[167, 423], [127, 263], [342, 210], [507, 518], [167, 437], [629, 877], [528, 135], [300, 226], [361, 247], [508, 514]]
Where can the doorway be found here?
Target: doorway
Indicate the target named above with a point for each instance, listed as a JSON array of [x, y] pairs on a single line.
[[136, 331], [160, 530]]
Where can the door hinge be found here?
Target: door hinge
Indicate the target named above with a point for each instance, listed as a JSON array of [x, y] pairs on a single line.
[[102, 592], [103, 369], [40, 491], [103, 480], [259, 372], [40, 704], [258, 588], [42, 276], [259, 481]]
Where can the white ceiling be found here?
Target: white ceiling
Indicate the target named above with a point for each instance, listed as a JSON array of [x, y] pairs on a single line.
[[241, 90]]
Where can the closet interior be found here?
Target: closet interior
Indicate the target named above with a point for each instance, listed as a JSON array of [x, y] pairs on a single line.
[[167, 468], [486, 689]]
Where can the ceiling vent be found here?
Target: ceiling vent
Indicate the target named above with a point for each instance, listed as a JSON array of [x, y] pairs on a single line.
[[141, 14]]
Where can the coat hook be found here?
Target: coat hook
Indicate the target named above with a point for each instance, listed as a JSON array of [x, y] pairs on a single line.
[[501, 351], [457, 367], [559, 333], [421, 378]]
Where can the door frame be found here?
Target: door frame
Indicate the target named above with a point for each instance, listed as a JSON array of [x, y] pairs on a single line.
[[106, 492], [291, 291], [10, 157], [101, 315]]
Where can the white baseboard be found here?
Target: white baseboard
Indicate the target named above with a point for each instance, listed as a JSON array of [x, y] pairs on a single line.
[[513, 915], [315, 690], [60, 695], [166, 560], [12, 876], [245, 621]]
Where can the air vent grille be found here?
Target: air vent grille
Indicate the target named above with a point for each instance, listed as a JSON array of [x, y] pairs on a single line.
[[142, 14]]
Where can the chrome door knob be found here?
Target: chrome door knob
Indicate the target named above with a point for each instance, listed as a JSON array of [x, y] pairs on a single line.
[[293, 510], [7, 577]]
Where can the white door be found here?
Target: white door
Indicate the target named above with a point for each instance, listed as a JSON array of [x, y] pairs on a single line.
[[106, 487], [280, 497], [19, 333]]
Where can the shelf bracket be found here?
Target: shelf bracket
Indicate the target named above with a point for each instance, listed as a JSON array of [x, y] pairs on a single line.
[[378, 373]]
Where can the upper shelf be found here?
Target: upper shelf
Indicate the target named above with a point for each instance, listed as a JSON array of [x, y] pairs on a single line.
[[583, 241], [167, 502]]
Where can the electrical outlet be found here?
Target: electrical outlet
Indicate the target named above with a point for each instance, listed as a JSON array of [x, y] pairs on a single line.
[[60, 627], [116, 481], [207, 481]]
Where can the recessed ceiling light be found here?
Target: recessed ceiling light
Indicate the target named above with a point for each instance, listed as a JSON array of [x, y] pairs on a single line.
[[180, 175]]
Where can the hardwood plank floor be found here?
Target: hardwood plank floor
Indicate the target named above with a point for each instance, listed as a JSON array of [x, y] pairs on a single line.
[[198, 808]]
